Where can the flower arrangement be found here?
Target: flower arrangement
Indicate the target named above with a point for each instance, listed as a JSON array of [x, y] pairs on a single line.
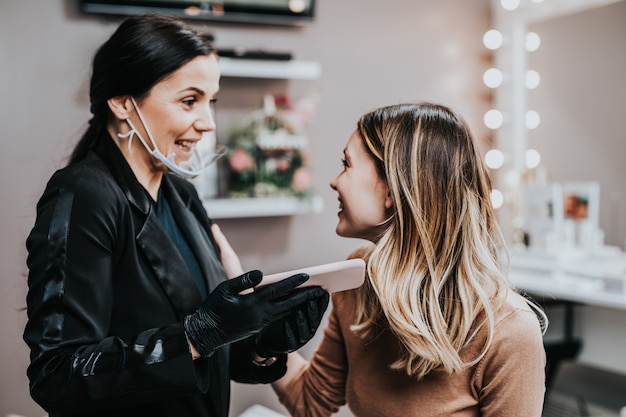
[[269, 153]]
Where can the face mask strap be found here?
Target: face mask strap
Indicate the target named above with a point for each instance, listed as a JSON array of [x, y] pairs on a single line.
[[133, 131], [167, 161], [131, 134]]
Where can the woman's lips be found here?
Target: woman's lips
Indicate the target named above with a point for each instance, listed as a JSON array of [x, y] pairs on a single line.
[[185, 148], [340, 209], [186, 145]]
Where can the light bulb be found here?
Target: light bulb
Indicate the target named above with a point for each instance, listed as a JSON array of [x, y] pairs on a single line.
[[494, 158], [532, 119], [509, 4], [497, 198], [297, 6], [532, 79], [532, 158], [493, 78], [532, 41], [492, 39], [493, 119]]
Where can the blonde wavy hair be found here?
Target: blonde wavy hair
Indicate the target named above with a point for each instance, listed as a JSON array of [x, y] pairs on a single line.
[[438, 272]]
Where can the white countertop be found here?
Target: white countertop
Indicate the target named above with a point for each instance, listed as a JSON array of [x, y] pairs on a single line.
[[592, 280]]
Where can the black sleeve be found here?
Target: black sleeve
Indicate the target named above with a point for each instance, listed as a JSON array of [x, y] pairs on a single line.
[[75, 363], [244, 370]]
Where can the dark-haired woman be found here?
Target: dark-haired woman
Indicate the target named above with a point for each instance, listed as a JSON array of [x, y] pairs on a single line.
[[129, 309]]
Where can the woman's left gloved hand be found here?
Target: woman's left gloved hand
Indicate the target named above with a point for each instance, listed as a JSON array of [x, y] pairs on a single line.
[[290, 333]]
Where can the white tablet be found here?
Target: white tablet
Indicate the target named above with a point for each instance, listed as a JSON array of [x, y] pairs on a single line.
[[333, 277]]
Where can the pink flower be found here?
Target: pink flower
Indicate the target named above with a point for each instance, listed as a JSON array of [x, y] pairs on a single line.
[[301, 180], [282, 101], [283, 164], [240, 160]]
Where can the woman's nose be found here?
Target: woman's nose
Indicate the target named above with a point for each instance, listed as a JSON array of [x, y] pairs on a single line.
[[206, 120], [333, 184]]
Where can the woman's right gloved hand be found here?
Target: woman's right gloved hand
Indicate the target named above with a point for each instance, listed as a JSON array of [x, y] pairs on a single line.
[[228, 316]]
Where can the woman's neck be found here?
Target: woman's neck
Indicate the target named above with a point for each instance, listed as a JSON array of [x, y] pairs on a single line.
[[144, 166]]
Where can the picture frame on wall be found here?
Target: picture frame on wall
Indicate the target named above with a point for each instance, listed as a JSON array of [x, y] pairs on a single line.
[[581, 213], [544, 215], [563, 215], [581, 201]]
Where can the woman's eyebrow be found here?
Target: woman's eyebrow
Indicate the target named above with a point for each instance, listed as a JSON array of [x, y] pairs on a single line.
[[192, 88]]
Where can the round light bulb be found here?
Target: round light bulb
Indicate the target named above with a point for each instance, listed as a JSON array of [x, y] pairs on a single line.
[[532, 158], [297, 6], [493, 78], [492, 39], [493, 119], [532, 79], [532, 41], [497, 198], [509, 4], [532, 119], [494, 158]]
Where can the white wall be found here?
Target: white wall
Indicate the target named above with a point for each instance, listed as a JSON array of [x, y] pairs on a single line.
[[373, 53]]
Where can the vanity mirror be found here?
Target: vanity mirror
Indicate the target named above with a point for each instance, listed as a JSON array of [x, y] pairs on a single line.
[[579, 127]]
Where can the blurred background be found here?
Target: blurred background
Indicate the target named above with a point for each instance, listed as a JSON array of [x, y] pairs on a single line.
[[355, 55]]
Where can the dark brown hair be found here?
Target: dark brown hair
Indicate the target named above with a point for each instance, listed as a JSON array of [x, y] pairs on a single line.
[[141, 52]]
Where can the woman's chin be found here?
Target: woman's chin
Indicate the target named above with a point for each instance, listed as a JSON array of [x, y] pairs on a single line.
[[342, 231]]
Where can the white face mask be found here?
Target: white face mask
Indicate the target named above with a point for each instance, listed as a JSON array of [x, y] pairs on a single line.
[[194, 166]]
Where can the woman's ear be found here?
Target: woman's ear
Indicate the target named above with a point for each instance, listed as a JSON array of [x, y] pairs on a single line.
[[121, 106], [388, 200]]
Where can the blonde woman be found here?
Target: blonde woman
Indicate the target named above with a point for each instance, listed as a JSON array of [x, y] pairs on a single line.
[[435, 330]]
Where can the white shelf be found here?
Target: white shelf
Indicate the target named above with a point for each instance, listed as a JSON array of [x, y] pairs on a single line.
[[254, 68], [233, 208], [274, 206]]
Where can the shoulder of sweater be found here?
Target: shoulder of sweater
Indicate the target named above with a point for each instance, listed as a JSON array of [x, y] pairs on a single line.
[[515, 312], [344, 298]]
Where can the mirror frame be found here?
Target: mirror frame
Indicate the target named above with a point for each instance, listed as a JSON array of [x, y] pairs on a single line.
[[511, 98]]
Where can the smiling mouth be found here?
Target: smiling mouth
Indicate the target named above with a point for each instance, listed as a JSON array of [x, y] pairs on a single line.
[[185, 145]]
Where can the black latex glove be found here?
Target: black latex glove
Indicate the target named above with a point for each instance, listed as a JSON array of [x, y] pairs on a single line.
[[228, 316], [244, 370], [290, 333]]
